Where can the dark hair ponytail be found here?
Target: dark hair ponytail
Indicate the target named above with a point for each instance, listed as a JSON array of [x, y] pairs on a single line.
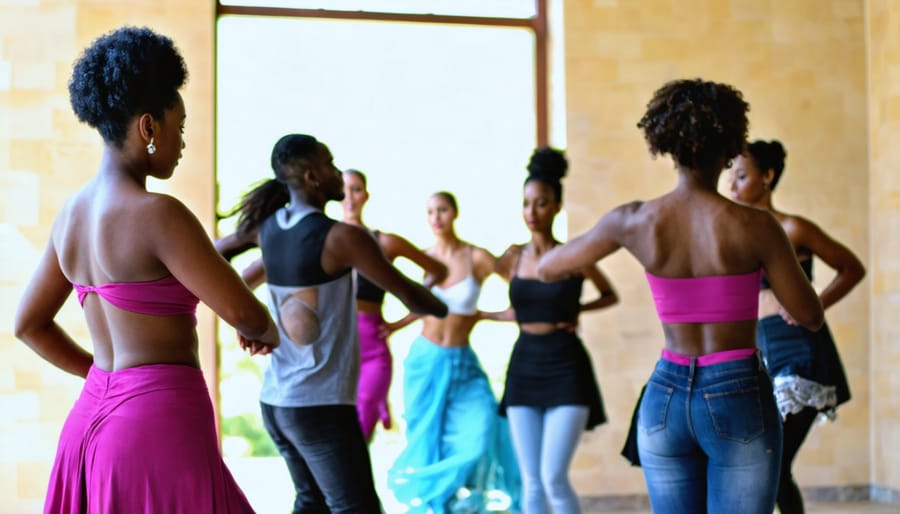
[[548, 165], [260, 203]]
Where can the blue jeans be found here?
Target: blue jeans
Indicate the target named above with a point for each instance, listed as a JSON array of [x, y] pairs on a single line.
[[709, 438], [327, 457]]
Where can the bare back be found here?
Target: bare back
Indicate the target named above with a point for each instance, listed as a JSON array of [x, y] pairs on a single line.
[[712, 237], [105, 234], [695, 232]]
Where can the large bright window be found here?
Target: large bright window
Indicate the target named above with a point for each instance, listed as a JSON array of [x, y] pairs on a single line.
[[500, 8], [417, 107]]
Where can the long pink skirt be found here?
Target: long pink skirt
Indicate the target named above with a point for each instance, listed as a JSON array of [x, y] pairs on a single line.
[[143, 440], [375, 370]]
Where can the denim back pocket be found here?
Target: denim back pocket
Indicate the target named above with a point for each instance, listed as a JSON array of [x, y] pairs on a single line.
[[655, 406], [735, 408]]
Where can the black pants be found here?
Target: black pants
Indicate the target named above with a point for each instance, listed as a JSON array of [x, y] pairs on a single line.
[[327, 456], [796, 427]]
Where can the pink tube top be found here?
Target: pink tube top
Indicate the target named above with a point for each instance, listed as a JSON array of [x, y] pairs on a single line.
[[714, 299], [163, 297]]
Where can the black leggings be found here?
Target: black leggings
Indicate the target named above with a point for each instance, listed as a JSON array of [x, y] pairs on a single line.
[[795, 426]]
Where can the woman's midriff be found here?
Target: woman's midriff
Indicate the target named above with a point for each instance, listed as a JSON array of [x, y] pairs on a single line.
[[144, 339], [543, 328], [450, 332], [768, 304]]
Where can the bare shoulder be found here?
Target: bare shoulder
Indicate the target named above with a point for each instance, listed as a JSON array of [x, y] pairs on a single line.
[[795, 223], [479, 255], [751, 218], [347, 234], [506, 261], [629, 219], [390, 241], [513, 252], [166, 207]]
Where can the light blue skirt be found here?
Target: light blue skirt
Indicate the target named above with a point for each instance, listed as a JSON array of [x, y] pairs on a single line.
[[459, 456]]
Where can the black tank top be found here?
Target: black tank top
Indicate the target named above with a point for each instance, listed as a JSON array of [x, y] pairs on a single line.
[[293, 255], [805, 264], [366, 289], [535, 301]]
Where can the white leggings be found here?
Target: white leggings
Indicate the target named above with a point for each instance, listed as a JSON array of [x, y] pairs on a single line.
[[545, 440]]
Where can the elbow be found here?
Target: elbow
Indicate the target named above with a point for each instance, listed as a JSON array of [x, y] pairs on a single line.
[[611, 297], [813, 320], [24, 327], [21, 330], [813, 325]]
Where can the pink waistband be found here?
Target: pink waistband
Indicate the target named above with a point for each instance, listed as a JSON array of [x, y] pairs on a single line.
[[710, 358]]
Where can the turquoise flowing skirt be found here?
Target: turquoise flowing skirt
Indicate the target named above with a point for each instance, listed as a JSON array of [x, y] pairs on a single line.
[[459, 456]]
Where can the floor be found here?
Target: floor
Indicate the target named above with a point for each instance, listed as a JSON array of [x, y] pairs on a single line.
[[268, 487], [812, 508]]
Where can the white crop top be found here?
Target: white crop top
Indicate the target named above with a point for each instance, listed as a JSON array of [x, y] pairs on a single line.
[[462, 297]]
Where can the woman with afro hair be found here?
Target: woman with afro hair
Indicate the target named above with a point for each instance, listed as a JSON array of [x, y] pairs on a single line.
[[551, 394], [141, 437], [806, 368], [709, 435]]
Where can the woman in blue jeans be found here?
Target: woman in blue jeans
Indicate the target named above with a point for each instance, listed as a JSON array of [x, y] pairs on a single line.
[[709, 434], [805, 366]]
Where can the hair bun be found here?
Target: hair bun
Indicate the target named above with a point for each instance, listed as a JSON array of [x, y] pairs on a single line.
[[548, 163], [777, 150]]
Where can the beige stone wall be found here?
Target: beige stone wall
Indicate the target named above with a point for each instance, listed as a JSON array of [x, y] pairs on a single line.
[[801, 66], [884, 216], [45, 154]]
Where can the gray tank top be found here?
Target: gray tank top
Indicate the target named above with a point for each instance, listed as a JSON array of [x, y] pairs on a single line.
[[325, 372]]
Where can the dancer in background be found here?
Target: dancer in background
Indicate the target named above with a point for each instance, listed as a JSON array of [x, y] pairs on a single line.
[[376, 364], [551, 395], [709, 434], [308, 394], [805, 366], [458, 456], [141, 437]]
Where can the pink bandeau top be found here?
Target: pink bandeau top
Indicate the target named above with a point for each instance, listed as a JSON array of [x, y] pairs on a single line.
[[715, 299], [163, 297], [710, 358]]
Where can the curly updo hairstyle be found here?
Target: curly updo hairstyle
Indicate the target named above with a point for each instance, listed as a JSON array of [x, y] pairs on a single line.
[[768, 155], [548, 165], [124, 73], [701, 124]]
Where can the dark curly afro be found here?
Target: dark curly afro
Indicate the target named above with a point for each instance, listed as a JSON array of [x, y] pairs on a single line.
[[701, 124], [124, 73]]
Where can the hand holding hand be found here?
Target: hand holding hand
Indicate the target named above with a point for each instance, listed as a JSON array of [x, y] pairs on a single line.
[[255, 347]]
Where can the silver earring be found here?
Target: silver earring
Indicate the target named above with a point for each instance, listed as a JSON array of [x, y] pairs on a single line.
[[151, 148]]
